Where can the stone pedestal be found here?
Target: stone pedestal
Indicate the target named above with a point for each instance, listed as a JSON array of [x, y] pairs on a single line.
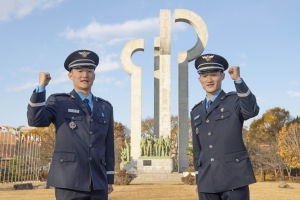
[[152, 165]]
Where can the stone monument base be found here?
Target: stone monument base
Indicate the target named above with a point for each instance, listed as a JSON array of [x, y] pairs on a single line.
[[154, 165], [154, 178]]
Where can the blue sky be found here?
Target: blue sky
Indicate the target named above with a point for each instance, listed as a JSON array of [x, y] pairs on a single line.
[[260, 36]]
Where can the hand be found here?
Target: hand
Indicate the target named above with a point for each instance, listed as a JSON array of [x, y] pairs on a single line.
[[196, 190], [44, 78], [234, 72], [110, 188]]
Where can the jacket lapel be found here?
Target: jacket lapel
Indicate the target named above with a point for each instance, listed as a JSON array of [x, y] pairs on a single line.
[[216, 102], [95, 105], [79, 102]]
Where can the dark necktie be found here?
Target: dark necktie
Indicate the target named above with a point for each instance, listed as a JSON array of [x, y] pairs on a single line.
[[86, 103], [208, 105]]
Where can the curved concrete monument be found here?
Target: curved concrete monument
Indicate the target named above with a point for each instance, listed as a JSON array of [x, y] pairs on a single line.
[[182, 15], [148, 167], [136, 96]]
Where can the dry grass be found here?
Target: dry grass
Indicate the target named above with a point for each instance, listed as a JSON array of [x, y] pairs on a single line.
[[159, 191]]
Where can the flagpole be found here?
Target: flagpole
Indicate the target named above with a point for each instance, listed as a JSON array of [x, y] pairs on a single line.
[[6, 149], [9, 163], [17, 155], [2, 143]]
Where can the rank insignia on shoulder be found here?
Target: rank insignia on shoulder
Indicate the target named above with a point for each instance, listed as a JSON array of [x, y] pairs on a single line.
[[196, 117], [72, 125], [197, 131], [73, 111]]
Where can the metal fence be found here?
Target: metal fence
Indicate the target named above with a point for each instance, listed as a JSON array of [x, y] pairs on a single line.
[[19, 157]]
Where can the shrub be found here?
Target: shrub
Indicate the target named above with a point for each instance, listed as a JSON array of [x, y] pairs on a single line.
[[190, 169], [122, 177], [189, 180]]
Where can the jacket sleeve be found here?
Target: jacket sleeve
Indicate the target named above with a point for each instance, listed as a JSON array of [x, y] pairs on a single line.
[[246, 105], [39, 112], [196, 147], [109, 153]]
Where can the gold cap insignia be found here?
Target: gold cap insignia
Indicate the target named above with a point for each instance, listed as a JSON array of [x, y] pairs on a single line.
[[84, 54], [207, 57]]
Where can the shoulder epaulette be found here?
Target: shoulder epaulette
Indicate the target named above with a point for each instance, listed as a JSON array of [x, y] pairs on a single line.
[[100, 99], [231, 93], [201, 102], [61, 94], [228, 94]]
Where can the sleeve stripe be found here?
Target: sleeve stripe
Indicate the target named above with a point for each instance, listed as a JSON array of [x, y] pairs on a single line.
[[244, 94], [110, 172], [196, 172], [37, 104]]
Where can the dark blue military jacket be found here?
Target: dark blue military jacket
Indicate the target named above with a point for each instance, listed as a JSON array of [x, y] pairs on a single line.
[[83, 152], [221, 159]]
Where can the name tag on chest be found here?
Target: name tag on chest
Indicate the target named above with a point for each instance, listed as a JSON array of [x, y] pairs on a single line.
[[73, 111]]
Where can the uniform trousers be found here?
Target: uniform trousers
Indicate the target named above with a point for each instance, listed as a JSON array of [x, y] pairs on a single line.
[[241, 193], [68, 194]]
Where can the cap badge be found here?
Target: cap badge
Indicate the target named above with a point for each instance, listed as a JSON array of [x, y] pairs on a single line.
[[84, 54], [207, 57]]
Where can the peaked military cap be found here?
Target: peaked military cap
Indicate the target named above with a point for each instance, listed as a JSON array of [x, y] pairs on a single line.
[[81, 59], [210, 63]]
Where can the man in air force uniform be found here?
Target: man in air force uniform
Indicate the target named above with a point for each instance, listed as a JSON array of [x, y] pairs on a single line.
[[82, 165], [221, 161]]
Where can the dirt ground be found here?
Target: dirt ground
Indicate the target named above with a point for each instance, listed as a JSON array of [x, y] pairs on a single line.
[[158, 191]]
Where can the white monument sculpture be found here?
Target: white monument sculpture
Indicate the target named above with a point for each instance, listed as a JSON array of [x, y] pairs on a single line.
[[182, 15], [162, 122]]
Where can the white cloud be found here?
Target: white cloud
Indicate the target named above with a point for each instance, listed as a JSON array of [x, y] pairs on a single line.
[[62, 77], [261, 99], [103, 80], [107, 64], [28, 70], [121, 83], [30, 84], [115, 33], [20, 8], [242, 55], [295, 83], [293, 94]]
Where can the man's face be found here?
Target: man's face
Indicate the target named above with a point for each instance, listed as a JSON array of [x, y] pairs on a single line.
[[211, 82], [82, 78]]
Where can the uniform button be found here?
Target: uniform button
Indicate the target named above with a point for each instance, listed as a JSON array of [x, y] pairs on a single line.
[[211, 146], [91, 120], [222, 116], [207, 121], [237, 160], [90, 145], [91, 132], [72, 117], [212, 159], [90, 158], [61, 160], [209, 133]]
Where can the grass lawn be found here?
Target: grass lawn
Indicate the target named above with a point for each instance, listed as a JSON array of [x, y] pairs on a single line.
[[158, 191]]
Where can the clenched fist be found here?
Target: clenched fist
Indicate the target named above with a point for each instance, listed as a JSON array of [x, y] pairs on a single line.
[[234, 72], [44, 78]]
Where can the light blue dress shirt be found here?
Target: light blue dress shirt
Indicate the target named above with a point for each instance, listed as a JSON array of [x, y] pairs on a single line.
[[90, 97]]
